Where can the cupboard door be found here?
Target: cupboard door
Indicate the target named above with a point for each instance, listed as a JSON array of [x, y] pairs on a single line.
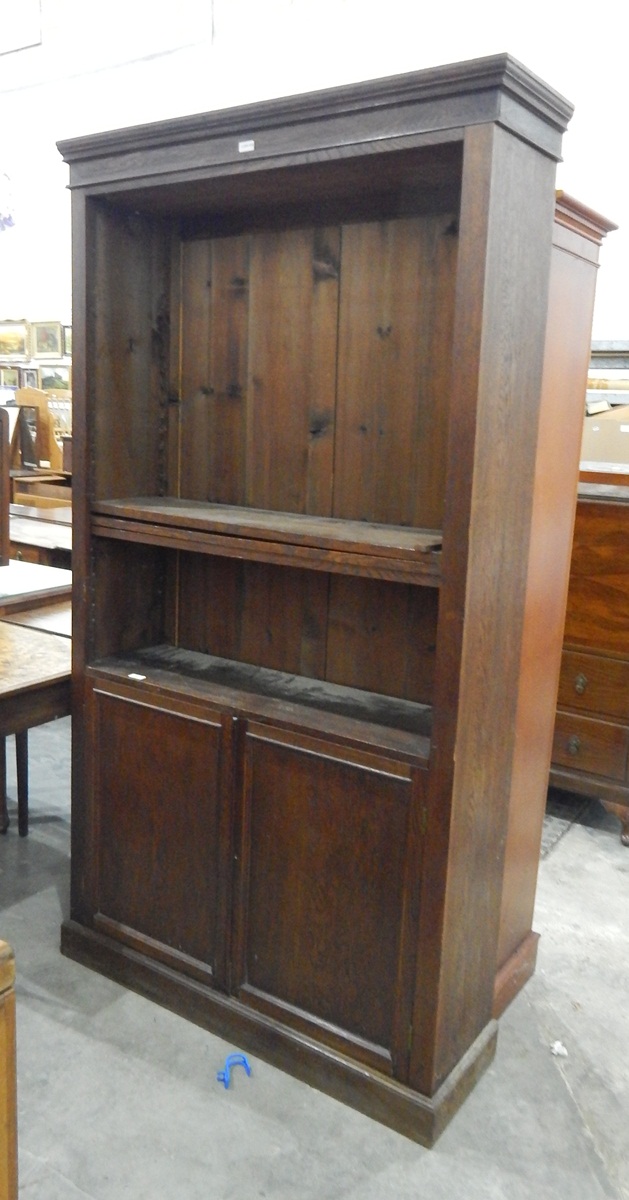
[[156, 775], [328, 868]]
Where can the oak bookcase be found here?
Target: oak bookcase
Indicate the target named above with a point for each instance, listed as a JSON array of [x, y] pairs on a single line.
[[309, 342]]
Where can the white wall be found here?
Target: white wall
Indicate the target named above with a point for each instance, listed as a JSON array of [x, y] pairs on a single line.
[[104, 66]]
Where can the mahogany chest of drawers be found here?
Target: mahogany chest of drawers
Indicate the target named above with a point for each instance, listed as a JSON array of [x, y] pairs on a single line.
[[591, 739]]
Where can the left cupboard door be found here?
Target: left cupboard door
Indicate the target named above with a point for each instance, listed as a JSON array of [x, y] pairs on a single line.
[[162, 798]]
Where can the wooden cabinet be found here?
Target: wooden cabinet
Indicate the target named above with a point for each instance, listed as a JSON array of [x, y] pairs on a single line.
[[307, 380], [591, 739], [577, 236]]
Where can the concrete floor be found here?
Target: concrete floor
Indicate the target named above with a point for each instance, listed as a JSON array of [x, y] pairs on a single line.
[[118, 1099]]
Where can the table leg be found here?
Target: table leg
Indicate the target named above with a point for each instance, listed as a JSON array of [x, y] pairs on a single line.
[[21, 756], [4, 816]]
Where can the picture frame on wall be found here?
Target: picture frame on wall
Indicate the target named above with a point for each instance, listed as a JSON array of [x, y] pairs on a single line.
[[54, 378], [29, 377], [46, 339], [9, 377], [14, 339], [67, 340]]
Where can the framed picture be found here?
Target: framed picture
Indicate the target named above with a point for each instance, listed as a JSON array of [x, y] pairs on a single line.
[[53, 378], [67, 340], [29, 377], [13, 339], [46, 339], [9, 377]]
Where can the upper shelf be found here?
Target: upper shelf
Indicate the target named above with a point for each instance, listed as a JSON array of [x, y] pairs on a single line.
[[361, 548]]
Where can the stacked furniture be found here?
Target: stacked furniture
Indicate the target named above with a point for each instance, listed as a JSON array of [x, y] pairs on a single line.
[[308, 375]]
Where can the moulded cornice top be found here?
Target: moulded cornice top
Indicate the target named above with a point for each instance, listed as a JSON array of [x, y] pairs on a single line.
[[496, 88]]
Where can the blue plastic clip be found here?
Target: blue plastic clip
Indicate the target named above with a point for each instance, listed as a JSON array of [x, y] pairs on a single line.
[[232, 1060]]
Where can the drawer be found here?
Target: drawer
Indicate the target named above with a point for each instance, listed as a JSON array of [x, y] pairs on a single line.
[[595, 747], [594, 684]]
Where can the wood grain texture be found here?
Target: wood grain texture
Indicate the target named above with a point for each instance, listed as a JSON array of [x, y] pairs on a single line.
[[597, 615], [8, 1077], [566, 363], [328, 951], [396, 303], [156, 802], [368, 353], [497, 379]]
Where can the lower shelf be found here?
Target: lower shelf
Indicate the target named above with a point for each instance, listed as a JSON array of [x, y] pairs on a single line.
[[421, 1118], [387, 723]]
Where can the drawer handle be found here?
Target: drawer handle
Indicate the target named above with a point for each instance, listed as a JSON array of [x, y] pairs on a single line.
[[580, 684], [574, 744]]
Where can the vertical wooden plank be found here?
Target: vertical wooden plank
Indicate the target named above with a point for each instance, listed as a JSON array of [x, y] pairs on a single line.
[[8, 1077], [292, 349], [382, 637], [173, 449], [127, 359], [254, 612], [214, 318], [195, 324], [396, 311]]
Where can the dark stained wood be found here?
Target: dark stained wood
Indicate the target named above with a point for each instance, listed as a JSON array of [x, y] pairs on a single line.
[[147, 823], [487, 516], [293, 296], [382, 637], [214, 304], [577, 236], [304, 944], [360, 721], [346, 327], [292, 528], [396, 305], [130, 331]]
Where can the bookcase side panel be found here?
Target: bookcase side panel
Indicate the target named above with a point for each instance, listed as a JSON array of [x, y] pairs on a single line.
[[486, 549], [128, 368]]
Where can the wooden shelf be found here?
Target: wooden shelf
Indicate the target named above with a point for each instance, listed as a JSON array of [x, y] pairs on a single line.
[[319, 543], [384, 724]]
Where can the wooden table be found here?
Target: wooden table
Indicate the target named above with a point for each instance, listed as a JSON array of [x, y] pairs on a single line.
[[39, 540], [35, 688], [25, 585]]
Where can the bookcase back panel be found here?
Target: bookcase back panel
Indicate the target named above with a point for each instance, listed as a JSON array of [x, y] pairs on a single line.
[[369, 634], [382, 637], [395, 324], [133, 598], [214, 301], [315, 369]]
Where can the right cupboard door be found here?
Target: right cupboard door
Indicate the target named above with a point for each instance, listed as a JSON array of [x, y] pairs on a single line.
[[329, 867]]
